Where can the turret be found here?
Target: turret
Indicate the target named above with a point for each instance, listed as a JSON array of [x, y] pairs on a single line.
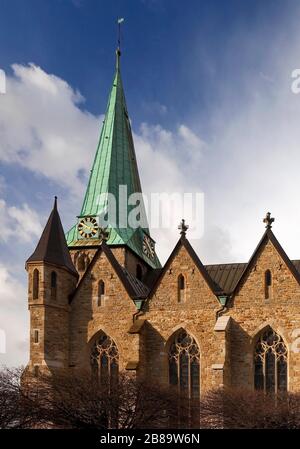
[[51, 279]]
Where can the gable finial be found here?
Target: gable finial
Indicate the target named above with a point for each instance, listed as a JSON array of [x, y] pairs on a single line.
[[118, 51], [183, 227], [104, 234], [268, 220]]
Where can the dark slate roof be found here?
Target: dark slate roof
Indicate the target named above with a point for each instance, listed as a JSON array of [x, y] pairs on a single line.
[[226, 275], [52, 247], [297, 264], [140, 289]]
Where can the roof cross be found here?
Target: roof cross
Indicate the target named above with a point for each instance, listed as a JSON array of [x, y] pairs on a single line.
[[268, 220], [183, 227]]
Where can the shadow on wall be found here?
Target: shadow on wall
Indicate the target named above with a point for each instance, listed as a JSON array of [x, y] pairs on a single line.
[[241, 357]]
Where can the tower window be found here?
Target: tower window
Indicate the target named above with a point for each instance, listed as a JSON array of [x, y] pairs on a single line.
[[36, 336], [181, 288], [101, 293], [139, 272], [53, 284], [35, 286], [268, 284]]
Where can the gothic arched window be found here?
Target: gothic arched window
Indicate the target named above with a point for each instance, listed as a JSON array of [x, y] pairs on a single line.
[[35, 284], [105, 359], [101, 293], [270, 362], [53, 284], [184, 364], [181, 288], [268, 284]]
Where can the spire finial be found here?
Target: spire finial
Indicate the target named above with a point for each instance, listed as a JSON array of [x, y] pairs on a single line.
[[183, 227], [55, 202], [268, 220], [118, 51]]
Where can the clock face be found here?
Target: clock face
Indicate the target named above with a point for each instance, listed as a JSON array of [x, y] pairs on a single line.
[[148, 247], [88, 228]]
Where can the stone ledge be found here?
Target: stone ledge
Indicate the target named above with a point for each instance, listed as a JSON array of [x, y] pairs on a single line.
[[218, 366], [222, 323], [132, 365]]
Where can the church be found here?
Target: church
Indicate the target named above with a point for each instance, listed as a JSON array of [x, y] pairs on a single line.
[[99, 299]]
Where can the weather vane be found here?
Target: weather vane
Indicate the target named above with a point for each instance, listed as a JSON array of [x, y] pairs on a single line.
[[119, 21]]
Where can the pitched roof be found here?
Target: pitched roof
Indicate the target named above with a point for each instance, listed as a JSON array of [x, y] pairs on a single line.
[[134, 287], [222, 279], [215, 288], [115, 165], [268, 235], [52, 246]]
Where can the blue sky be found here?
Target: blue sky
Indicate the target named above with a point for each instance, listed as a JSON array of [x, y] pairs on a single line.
[[173, 55], [208, 88]]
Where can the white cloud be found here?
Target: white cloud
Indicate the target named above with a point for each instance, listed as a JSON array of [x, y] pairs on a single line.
[[22, 224], [43, 129], [14, 319], [168, 163]]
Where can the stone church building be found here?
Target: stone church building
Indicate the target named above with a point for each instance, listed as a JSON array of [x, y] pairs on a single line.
[[100, 300]]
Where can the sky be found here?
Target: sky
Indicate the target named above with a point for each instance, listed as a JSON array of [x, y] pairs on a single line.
[[208, 89]]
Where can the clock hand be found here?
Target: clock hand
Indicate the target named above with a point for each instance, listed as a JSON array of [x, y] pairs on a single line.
[[86, 226]]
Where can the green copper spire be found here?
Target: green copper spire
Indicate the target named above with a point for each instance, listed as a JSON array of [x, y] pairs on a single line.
[[115, 165]]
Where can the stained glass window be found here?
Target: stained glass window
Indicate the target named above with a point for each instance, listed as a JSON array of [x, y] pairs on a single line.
[[184, 364], [105, 359], [270, 362]]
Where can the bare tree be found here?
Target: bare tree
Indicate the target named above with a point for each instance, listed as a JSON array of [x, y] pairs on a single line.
[[246, 409], [16, 406], [81, 402]]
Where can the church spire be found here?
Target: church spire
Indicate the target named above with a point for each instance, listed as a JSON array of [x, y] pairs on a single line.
[[115, 172], [52, 247]]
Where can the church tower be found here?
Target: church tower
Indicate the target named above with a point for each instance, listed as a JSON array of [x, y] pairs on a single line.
[[51, 279], [114, 179]]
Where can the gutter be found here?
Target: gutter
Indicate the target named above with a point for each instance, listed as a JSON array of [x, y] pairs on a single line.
[[223, 299]]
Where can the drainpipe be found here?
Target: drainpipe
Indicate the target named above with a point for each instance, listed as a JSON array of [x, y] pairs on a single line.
[[139, 304], [223, 300]]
